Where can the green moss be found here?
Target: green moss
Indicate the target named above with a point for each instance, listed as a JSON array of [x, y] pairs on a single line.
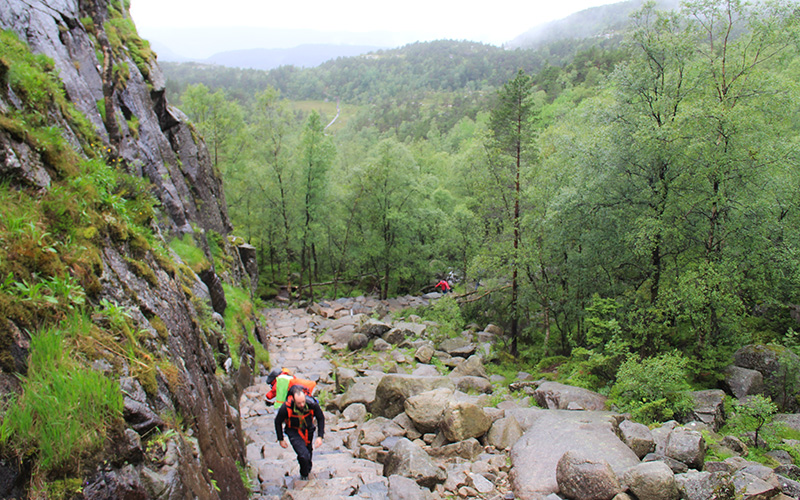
[[159, 327], [142, 270], [64, 489]]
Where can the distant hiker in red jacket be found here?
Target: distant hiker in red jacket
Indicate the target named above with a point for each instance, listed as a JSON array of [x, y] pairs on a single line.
[[444, 285]]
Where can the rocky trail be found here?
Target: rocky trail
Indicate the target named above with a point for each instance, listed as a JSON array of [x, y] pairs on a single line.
[[411, 415], [336, 473]]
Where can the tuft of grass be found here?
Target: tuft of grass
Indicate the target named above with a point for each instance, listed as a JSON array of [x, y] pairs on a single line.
[[190, 253], [65, 411]]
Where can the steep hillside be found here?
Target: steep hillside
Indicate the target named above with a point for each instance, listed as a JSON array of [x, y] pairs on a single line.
[[603, 22], [126, 334]]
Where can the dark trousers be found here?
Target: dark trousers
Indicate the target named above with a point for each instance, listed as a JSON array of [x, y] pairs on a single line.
[[302, 449]]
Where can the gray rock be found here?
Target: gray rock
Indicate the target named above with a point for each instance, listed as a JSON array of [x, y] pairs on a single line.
[[735, 444], [345, 378], [403, 488], [469, 449], [688, 447], [695, 485], [473, 384], [464, 420], [661, 435], [355, 412], [424, 353], [749, 487], [425, 371], [708, 408], [357, 342], [380, 345], [480, 483], [494, 330], [471, 367], [374, 431], [376, 490], [426, 409], [674, 465], [556, 396], [652, 480], [362, 391], [374, 328], [454, 345], [338, 338], [116, 483], [409, 460], [394, 389], [770, 361], [638, 437], [743, 382], [582, 478], [791, 471], [552, 433], [504, 433], [407, 424], [781, 456], [789, 487]]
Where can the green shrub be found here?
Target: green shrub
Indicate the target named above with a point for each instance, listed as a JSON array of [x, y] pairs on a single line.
[[752, 415], [64, 412], [654, 389], [447, 314]]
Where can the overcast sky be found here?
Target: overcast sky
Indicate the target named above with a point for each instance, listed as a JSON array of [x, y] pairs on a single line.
[[487, 21]]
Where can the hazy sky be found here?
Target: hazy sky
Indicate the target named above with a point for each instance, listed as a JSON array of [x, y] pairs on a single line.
[[485, 21]]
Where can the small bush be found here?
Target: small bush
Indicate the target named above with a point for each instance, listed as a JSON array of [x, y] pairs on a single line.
[[447, 314], [654, 389]]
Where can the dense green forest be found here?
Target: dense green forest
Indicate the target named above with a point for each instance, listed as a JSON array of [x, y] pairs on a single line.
[[640, 196]]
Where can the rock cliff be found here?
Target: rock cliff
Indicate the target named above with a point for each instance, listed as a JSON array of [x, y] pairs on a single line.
[[97, 174]]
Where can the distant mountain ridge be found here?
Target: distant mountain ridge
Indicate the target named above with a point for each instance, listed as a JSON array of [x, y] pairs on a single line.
[[305, 56], [605, 20]]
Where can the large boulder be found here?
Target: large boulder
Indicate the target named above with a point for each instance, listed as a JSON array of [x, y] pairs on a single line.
[[426, 409], [457, 346], [652, 480], [471, 367], [775, 363], [403, 488], [393, 390], [555, 396], [504, 433], [552, 433], [473, 384], [469, 449], [582, 478], [638, 437], [743, 381], [708, 408], [374, 328], [362, 391], [402, 331], [357, 342], [750, 487], [463, 420], [424, 353], [696, 485], [374, 431], [410, 460], [687, 446]]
